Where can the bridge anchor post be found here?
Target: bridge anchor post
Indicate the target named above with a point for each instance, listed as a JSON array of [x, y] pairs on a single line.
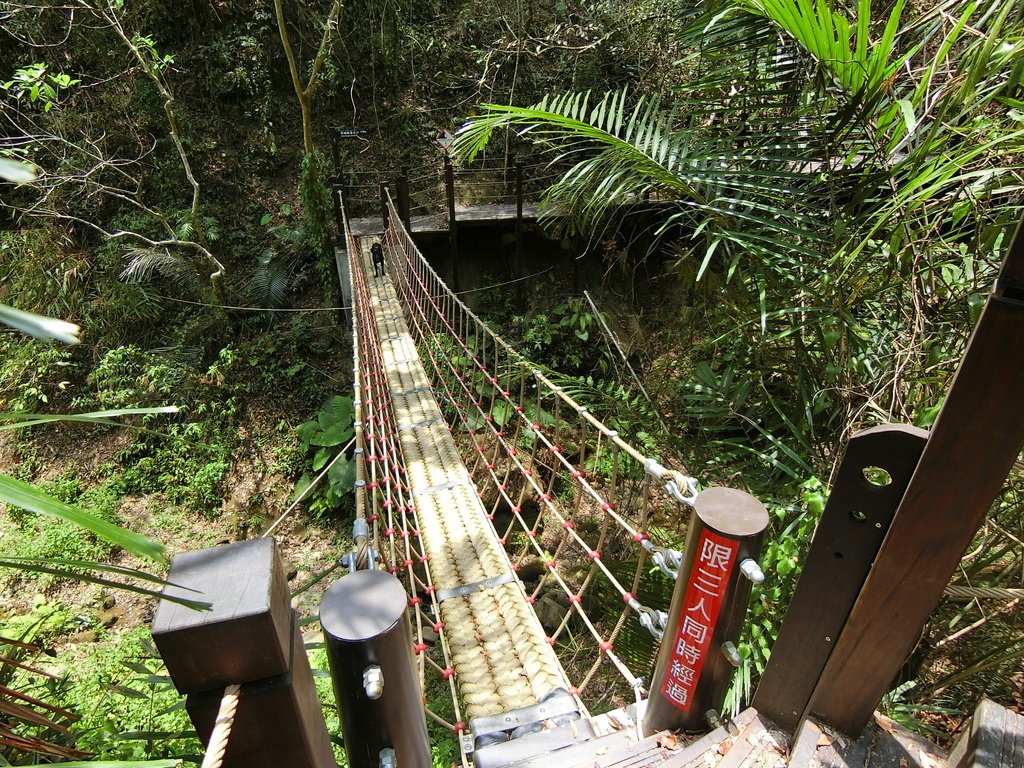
[[697, 654], [370, 654]]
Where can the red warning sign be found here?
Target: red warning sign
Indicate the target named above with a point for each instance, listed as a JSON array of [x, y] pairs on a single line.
[[705, 591]]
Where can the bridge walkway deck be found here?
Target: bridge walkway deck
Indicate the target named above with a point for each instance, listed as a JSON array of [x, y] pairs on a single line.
[[499, 652]]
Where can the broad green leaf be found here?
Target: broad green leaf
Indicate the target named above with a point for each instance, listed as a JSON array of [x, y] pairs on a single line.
[[20, 420], [15, 172], [342, 475], [40, 326], [24, 496]]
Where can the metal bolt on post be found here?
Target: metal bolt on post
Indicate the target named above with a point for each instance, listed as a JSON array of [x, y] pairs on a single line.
[[370, 653], [697, 654]]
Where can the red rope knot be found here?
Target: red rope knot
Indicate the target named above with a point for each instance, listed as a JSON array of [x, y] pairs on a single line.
[[556, 449], [490, 516], [574, 691], [641, 537], [532, 534], [569, 525], [594, 554], [502, 486], [407, 563], [499, 433], [506, 394], [552, 564], [404, 534], [479, 449], [448, 672], [420, 648], [490, 466], [517, 510], [606, 646], [423, 559], [501, 540], [430, 589], [414, 601], [511, 451], [393, 570], [373, 518], [387, 503], [372, 458], [531, 599], [535, 427], [389, 532], [373, 486], [574, 598], [627, 597], [550, 641], [607, 507], [488, 418], [578, 473], [472, 431], [460, 727], [494, 379], [438, 626], [545, 497], [416, 532], [528, 472], [519, 409]]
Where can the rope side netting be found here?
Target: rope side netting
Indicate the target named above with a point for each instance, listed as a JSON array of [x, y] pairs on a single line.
[[582, 515]]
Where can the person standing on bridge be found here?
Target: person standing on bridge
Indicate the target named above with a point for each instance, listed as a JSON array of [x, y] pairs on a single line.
[[377, 254]]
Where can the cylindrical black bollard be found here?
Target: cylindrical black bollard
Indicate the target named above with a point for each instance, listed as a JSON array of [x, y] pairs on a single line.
[[693, 669], [370, 652]]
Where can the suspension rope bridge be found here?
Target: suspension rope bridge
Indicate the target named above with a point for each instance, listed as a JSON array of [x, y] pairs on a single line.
[[546, 487]]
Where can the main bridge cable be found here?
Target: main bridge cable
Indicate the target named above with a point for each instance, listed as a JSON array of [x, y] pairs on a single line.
[[432, 289]]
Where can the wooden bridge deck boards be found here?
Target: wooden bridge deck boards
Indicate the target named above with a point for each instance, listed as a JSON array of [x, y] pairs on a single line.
[[499, 653]]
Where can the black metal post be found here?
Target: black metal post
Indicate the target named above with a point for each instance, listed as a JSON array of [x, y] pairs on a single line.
[[404, 205], [453, 232], [339, 221], [519, 234], [370, 653], [384, 204], [697, 655]]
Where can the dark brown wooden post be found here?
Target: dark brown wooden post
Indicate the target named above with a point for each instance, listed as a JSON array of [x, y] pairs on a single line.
[[384, 214], [519, 234], [971, 449], [370, 652], [248, 637], [693, 670], [453, 229], [404, 204], [339, 221], [846, 541]]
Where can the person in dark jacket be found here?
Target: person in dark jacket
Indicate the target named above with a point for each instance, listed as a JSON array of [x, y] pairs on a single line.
[[377, 254]]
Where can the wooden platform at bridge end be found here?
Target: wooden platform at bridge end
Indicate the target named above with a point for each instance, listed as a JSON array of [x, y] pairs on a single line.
[[750, 741]]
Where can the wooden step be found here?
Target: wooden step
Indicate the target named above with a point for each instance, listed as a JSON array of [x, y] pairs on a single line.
[[994, 740]]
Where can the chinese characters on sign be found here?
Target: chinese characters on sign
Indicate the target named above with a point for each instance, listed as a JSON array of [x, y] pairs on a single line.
[[705, 591]]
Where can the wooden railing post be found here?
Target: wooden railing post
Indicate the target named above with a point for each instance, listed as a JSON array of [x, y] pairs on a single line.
[[384, 214], [248, 638], [846, 541], [404, 205], [695, 664], [971, 448], [453, 228]]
